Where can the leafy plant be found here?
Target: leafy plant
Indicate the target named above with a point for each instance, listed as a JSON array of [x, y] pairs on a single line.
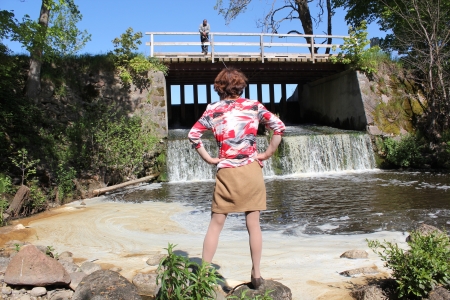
[[183, 279], [64, 179], [404, 153], [133, 68], [17, 247], [354, 52], [50, 251], [418, 270], [38, 197], [25, 164]]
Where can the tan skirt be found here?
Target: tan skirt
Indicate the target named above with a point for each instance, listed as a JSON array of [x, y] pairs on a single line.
[[239, 189]]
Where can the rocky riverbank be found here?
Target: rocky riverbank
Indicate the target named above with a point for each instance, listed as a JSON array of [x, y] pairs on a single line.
[[129, 239]]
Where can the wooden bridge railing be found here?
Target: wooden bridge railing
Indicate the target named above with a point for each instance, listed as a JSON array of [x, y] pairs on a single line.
[[265, 42]]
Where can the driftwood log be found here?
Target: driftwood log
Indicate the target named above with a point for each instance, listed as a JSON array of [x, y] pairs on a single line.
[[101, 191], [21, 197]]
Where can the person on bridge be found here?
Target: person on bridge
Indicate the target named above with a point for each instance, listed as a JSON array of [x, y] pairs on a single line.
[[239, 179], [204, 35]]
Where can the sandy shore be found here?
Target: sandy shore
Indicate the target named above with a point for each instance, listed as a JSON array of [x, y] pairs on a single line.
[[126, 235]]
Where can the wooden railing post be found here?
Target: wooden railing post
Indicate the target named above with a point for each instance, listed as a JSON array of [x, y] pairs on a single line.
[[151, 45], [212, 47], [261, 42]]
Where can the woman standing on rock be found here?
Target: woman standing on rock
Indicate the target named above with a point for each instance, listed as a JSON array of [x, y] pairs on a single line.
[[239, 180]]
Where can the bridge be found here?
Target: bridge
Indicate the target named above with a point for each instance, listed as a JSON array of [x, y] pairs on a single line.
[[266, 59]]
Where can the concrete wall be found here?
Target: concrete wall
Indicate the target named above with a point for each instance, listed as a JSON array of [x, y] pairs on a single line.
[[335, 101]]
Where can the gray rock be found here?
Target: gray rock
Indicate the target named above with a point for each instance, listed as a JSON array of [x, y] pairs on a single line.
[[278, 291], [6, 290], [105, 284], [146, 284], [76, 278], [25, 297], [89, 267], [32, 267], [66, 255], [42, 248], [154, 260], [60, 294], [439, 293], [359, 271], [354, 254], [69, 266], [38, 291], [116, 269], [424, 230], [4, 261], [369, 292]]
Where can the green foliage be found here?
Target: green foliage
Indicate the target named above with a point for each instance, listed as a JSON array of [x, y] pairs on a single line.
[[38, 196], [133, 68], [64, 179], [243, 296], [424, 266], [408, 152], [17, 247], [354, 52], [5, 184], [25, 164], [50, 251], [179, 282]]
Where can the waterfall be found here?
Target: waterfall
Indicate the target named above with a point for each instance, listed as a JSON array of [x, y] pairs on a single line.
[[297, 154]]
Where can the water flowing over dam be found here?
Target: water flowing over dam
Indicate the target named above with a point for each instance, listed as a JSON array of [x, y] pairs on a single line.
[[304, 150]]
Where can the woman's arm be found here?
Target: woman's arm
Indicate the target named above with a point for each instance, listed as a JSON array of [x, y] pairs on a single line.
[[206, 157], [274, 142]]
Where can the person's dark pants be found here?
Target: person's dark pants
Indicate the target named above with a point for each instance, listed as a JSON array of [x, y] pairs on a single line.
[[204, 39]]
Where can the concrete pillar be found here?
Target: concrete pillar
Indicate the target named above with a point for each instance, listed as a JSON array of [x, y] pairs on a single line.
[[195, 88], [208, 93], [182, 106], [259, 91], [169, 103], [272, 97]]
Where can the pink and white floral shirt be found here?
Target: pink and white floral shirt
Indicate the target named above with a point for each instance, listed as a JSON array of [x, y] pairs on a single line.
[[235, 125]]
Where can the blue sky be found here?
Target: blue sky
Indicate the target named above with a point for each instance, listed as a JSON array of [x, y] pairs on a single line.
[[107, 19]]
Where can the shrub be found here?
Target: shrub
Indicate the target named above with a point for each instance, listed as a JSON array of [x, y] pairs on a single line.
[[179, 282], [404, 153], [421, 268]]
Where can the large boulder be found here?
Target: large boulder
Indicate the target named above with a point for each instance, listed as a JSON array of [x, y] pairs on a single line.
[[274, 289], [369, 292], [439, 293], [32, 267], [424, 230], [105, 284]]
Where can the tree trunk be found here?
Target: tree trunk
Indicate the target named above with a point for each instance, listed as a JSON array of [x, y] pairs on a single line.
[[329, 31], [305, 18], [19, 200], [33, 85]]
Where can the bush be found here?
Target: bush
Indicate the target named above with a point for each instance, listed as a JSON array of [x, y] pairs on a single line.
[[408, 152], [420, 269], [179, 282]]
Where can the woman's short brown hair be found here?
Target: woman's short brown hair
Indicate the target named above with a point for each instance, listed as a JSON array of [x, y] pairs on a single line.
[[230, 83]]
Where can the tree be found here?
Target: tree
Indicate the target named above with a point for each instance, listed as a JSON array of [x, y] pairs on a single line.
[[420, 33], [288, 10], [45, 42]]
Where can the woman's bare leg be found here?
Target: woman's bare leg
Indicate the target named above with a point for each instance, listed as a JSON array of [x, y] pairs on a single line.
[[212, 236], [255, 241]]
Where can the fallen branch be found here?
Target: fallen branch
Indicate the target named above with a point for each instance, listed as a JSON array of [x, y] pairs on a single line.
[[101, 191]]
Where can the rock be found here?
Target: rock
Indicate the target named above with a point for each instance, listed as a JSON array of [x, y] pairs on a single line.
[[146, 284], [76, 278], [89, 267], [38, 291], [18, 227], [154, 260], [4, 261], [69, 266], [42, 248], [60, 294], [25, 297], [116, 269], [369, 292], [32, 267], [354, 254], [359, 271], [6, 290], [439, 293], [279, 291], [374, 130], [105, 284], [425, 230], [66, 255]]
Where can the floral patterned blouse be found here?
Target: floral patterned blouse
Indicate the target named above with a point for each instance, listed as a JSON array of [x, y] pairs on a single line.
[[235, 125]]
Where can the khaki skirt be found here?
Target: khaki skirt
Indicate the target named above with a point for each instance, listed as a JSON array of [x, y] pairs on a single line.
[[239, 189]]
